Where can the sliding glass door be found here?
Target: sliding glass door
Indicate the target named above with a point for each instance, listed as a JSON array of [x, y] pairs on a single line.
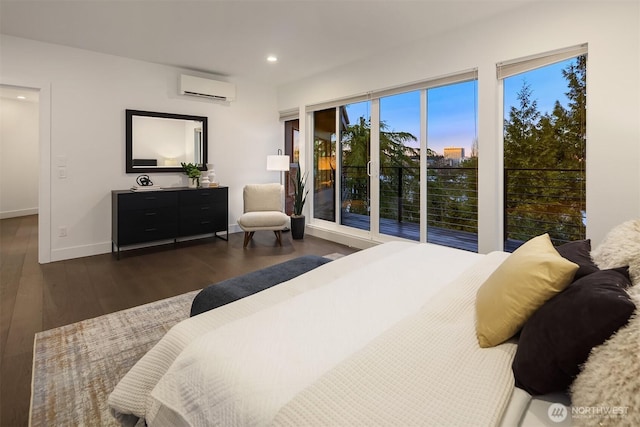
[[452, 166], [400, 163], [355, 150]]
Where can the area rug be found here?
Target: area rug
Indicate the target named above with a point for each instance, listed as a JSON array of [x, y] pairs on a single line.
[[75, 367]]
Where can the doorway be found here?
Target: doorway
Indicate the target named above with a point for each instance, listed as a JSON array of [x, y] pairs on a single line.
[[25, 118], [19, 123]]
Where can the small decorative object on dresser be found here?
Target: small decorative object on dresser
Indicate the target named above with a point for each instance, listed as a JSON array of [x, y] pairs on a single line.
[[299, 198], [211, 172]]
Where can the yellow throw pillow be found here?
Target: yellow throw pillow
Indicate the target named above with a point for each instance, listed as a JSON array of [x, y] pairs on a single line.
[[529, 277]]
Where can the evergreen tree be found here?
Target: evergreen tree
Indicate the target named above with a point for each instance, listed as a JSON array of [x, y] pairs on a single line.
[[397, 164], [576, 75], [521, 130], [551, 197]]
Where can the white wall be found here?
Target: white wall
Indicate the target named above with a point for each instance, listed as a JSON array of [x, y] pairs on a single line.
[[89, 95], [18, 157], [612, 31]]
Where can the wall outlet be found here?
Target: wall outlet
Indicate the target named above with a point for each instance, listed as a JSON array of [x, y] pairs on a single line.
[[62, 231]]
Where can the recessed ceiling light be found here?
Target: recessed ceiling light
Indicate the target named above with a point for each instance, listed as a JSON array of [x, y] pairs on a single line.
[[272, 58], [21, 97]]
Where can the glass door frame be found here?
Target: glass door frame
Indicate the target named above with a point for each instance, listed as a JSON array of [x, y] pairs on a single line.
[[373, 171], [374, 97]]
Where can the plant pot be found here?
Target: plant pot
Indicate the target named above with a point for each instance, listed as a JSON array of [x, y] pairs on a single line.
[[297, 227]]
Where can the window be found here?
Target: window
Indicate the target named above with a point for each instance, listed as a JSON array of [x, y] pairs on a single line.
[[452, 165], [545, 147]]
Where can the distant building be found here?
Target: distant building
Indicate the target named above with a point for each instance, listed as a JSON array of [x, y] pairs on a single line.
[[454, 155]]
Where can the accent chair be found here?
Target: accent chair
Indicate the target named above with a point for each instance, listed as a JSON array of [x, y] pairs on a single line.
[[263, 211]]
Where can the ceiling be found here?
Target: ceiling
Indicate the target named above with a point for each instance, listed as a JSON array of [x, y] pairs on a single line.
[[233, 37]]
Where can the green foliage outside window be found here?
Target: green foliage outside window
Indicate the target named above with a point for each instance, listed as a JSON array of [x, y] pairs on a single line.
[[544, 159]]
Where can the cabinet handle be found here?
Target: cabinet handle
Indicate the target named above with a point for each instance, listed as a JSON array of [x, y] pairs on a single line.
[[148, 230], [205, 222], [204, 208], [150, 198], [150, 213]]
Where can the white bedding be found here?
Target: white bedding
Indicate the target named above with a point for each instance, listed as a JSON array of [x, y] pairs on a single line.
[[426, 370], [260, 359]]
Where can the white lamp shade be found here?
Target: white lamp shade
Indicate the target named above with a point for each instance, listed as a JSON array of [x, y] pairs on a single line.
[[278, 163]]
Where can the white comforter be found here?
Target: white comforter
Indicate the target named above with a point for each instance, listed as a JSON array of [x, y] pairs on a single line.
[[323, 345]]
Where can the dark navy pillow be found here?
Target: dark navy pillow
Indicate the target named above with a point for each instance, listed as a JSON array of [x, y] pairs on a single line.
[[558, 338], [579, 252]]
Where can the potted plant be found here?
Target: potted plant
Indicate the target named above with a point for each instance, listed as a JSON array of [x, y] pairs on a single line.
[[299, 198], [193, 172]]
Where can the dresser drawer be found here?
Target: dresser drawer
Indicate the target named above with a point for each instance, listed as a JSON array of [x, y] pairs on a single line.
[[146, 218], [130, 236], [204, 196], [154, 199], [203, 219]]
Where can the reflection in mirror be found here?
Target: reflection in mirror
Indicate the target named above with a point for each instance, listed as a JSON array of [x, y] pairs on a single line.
[[160, 142]]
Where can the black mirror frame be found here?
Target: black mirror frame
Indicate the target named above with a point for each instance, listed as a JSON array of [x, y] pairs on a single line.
[[129, 114]]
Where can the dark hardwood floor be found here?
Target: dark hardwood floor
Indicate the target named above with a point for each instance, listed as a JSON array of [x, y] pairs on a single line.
[[36, 297]]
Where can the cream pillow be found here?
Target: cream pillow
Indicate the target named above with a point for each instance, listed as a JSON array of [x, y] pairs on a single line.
[[530, 276]]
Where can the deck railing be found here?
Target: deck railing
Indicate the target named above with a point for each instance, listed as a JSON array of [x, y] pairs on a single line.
[[535, 200], [544, 200], [452, 201]]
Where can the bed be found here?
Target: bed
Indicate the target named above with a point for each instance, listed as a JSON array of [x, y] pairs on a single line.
[[385, 336]]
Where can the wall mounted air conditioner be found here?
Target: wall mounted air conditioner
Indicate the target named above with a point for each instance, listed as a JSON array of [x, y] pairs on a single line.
[[207, 88]]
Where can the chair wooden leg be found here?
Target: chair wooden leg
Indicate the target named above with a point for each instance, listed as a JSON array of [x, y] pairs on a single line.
[[278, 234], [247, 237]]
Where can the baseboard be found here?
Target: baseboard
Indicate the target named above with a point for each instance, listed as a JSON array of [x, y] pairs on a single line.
[[235, 228], [342, 238], [80, 251], [105, 247], [20, 212]]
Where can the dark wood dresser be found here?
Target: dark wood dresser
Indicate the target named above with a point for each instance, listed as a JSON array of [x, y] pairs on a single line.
[[169, 214]]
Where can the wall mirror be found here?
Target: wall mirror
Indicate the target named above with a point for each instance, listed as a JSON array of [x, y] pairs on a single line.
[[160, 142]]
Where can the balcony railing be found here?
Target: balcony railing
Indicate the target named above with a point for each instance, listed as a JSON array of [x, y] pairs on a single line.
[[544, 200], [535, 201], [451, 204]]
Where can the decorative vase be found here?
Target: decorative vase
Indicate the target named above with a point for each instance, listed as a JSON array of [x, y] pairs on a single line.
[[194, 182], [297, 227], [211, 173]]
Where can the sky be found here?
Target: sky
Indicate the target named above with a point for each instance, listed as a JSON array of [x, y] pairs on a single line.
[[451, 115]]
